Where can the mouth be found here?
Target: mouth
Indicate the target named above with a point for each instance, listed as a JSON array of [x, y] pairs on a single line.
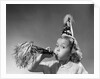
[[56, 56]]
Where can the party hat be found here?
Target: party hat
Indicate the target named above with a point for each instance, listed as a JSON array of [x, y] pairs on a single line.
[[68, 31], [67, 28]]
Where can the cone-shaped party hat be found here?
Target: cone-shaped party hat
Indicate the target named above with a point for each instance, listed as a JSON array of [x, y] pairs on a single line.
[[67, 29]]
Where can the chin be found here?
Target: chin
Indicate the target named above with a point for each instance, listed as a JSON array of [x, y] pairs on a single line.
[[59, 58]]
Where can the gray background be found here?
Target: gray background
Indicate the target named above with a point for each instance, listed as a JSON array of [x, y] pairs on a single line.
[[42, 23]]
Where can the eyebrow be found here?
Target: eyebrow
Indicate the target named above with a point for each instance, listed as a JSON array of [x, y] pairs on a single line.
[[65, 44], [62, 44]]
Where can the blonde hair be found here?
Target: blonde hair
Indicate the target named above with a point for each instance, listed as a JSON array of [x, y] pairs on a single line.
[[76, 54]]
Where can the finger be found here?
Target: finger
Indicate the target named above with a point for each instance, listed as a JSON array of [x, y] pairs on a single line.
[[48, 48]]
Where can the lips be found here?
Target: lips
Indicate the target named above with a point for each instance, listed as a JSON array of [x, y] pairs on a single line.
[[56, 56]]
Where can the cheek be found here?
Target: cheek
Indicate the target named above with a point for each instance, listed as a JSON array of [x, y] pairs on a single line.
[[55, 50], [64, 54]]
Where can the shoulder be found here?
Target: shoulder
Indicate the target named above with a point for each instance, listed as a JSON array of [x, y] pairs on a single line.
[[74, 66], [79, 65], [81, 69]]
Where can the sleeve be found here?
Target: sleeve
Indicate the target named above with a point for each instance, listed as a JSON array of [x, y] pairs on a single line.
[[46, 69], [81, 69]]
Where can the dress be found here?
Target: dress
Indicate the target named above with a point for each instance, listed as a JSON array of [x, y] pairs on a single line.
[[69, 68]]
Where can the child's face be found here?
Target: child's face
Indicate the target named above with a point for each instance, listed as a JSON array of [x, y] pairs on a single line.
[[62, 49]]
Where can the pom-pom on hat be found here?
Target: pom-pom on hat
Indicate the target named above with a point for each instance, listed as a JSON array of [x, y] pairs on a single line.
[[67, 28]]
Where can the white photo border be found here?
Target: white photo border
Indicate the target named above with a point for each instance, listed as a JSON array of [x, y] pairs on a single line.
[[3, 42]]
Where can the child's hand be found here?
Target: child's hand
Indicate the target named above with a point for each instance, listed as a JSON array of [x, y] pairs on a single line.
[[47, 55]]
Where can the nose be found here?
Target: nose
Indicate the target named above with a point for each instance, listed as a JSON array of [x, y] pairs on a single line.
[[56, 50]]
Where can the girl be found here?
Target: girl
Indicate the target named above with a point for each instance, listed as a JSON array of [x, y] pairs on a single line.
[[67, 55], [67, 62]]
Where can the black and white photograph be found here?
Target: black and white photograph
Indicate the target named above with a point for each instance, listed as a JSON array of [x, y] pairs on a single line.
[[52, 38], [49, 39]]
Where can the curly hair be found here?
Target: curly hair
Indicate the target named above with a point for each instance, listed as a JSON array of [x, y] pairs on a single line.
[[76, 54]]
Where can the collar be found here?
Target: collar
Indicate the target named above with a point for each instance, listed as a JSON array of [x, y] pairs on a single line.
[[68, 65]]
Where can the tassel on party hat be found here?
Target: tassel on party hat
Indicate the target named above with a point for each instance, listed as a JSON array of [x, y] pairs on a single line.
[[68, 30]]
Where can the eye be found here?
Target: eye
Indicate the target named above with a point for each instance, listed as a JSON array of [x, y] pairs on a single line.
[[63, 47]]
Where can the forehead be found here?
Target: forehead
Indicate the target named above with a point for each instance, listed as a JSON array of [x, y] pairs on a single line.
[[63, 41]]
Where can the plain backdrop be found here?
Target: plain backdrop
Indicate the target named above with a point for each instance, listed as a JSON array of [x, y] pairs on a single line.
[[43, 23]]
